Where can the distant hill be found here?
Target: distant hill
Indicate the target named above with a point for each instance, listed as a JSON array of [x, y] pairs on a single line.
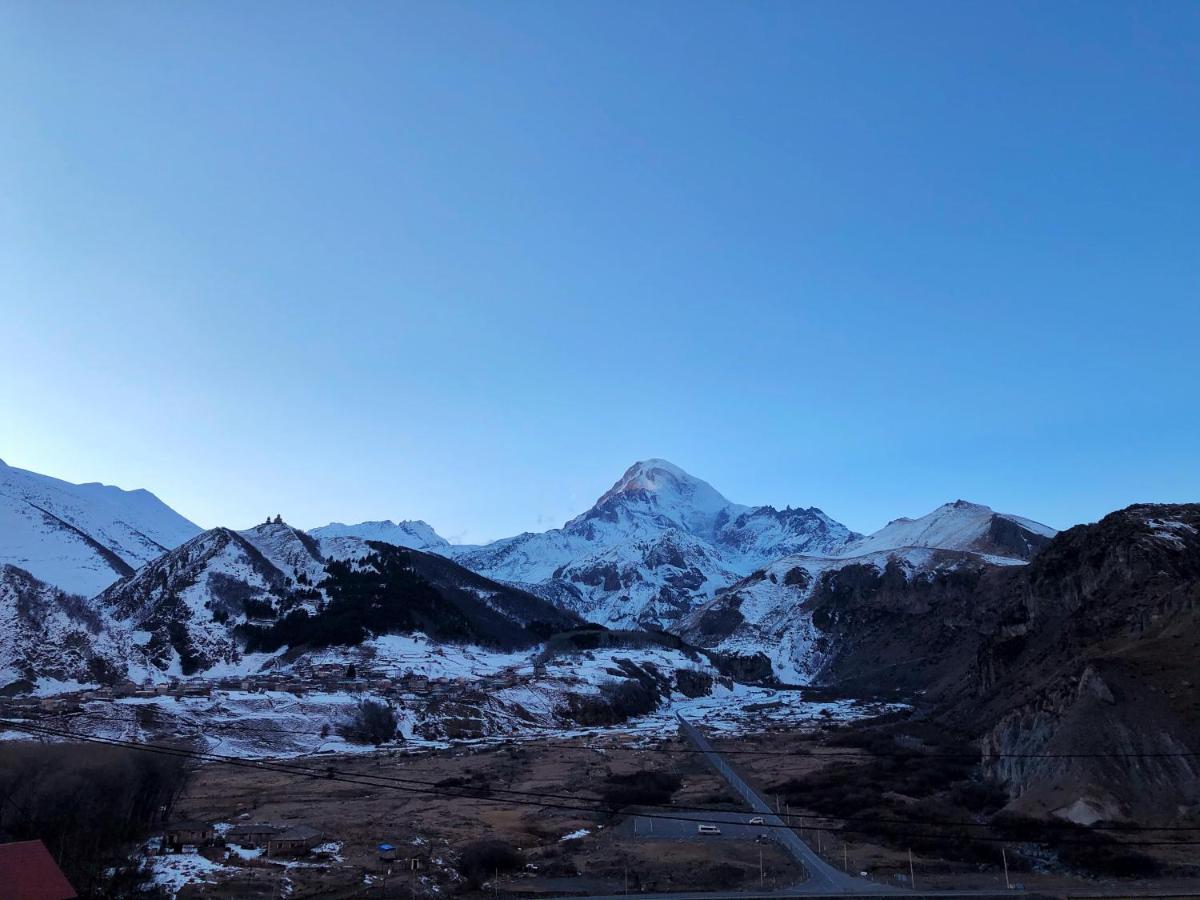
[[82, 537]]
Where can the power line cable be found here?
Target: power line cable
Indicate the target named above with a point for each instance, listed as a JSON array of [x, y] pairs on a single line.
[[1117, 827], [374, 781]]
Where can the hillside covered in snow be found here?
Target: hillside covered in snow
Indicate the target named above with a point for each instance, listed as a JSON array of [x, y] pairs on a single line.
[[82, 537], [226, 595], [771, 610]]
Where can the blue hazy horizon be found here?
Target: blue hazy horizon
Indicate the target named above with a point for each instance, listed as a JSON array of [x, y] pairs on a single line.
[[466, 262]]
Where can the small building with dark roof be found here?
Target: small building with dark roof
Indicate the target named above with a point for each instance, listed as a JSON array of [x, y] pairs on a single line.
[[252, 836], [29, 872], [295, 841], [193, 833]]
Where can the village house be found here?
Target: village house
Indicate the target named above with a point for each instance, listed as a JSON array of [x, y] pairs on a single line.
[[416, 683], [417, 862], [295, 841], [29, 872], [188, 833], [124, 688], [252, 836]]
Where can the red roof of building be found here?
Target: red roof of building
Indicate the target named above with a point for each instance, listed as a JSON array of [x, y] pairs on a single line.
[[29, 872]]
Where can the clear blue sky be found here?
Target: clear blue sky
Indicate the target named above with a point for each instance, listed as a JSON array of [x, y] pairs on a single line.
[[467, 261]]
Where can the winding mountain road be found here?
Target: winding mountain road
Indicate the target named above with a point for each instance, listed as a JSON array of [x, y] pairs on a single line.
[[822, 877]]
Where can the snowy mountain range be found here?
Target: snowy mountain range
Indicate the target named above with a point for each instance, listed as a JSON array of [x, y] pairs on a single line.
[[82, 537], [653, 546], [771, 611], [661, 548], [414, 534]]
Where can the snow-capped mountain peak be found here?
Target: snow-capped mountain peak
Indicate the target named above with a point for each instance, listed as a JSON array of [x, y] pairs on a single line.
[[960, 525], [668, 481], [341, 541], [656, 543], [412, 533], [660, 490]]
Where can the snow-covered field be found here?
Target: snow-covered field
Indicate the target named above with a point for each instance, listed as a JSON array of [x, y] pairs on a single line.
[[484, 696]]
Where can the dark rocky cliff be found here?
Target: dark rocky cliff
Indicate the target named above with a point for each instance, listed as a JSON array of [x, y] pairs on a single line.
[[1093, 648]]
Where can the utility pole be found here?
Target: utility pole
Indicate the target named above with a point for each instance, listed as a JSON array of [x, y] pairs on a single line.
[[627, 878], [845, 858], [761, 878], [1004, 856], [912, 877], [818, 840]]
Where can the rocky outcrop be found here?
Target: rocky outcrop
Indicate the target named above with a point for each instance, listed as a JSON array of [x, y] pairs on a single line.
[[46, 633], [1090, 649]]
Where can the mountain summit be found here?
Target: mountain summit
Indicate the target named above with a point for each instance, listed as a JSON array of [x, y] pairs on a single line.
[[655, 544], [961, 525], [662, 490]]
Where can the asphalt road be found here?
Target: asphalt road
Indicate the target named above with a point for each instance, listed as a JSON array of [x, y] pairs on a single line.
[[822, 877], [733, 825]]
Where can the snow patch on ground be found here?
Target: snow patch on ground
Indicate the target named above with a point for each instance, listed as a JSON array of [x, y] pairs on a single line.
[[173, 871]]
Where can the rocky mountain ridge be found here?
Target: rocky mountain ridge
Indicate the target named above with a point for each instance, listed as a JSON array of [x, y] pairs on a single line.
[[200, 605], [1090, 649], [82, 537], [771, 611]]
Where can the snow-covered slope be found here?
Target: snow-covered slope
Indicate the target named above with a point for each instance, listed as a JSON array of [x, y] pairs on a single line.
[[295, 554], [770, 612], [82, 537], [202, 604], [48, 635], [342, 541], [652, 547], [182, 608], [961, 526]]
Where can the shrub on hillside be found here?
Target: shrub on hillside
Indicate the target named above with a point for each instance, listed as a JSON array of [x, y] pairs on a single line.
[[371, 723], [617, 702], [480, 860], [645, 788], [693, 682]]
